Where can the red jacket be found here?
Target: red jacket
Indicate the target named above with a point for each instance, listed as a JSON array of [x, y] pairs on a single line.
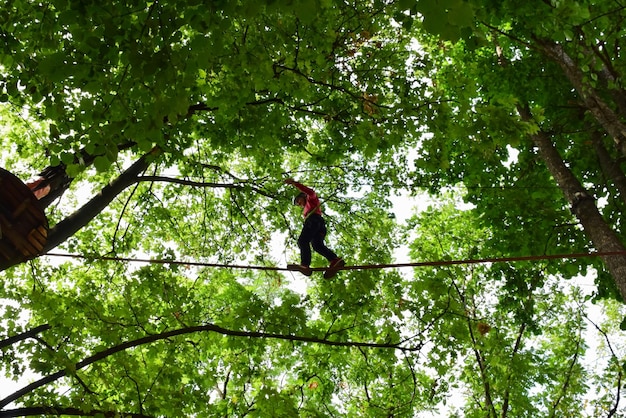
[[312, 201]]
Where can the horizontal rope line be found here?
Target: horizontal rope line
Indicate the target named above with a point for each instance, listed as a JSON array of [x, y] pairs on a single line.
[[348, 267]]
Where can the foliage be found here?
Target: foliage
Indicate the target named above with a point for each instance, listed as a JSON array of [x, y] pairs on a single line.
[[511, 336], [513, 121], [217, 103]]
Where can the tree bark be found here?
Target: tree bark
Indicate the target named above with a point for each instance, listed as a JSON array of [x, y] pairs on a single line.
[[24, 335], [604, 239], [605, 116], [74, 222]]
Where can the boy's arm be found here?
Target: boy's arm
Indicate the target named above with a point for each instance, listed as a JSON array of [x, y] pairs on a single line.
[[307, 190]]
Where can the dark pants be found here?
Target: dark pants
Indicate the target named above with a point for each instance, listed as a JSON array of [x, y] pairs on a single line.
[[313, 233]]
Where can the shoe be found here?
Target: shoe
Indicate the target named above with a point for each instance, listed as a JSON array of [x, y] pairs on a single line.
[[334, 267], [306, 270]]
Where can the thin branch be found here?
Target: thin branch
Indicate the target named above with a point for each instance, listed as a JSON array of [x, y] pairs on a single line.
[[506, 35], [188, 182], [119, 219], [242, 186], [233, 199], [319, 83], [507, 393], [413, 378], [568, 377], [613, 410], [481, 360], [226, 380]]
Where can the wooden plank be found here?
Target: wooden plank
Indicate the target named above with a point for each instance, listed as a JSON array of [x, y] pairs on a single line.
[[36, 240], [33, 218], [22, 220], [8, 253], [18, 237], [14, 193]]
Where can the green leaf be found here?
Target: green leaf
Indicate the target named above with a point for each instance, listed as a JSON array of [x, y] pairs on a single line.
[[67, 157], [101, 163], [461, 15]]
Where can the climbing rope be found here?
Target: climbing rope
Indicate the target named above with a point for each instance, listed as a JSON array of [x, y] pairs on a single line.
[[347, 267]]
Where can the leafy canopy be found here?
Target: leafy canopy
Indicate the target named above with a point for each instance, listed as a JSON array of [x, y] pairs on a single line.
[[219, 102]]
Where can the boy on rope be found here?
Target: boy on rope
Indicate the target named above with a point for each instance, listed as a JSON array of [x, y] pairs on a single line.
[[313, 233]]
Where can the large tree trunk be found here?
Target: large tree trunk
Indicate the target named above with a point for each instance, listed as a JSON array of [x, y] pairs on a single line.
[[604, 239], [600, 110]]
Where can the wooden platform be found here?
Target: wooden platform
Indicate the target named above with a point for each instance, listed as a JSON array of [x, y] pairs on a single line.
[[23, 224]]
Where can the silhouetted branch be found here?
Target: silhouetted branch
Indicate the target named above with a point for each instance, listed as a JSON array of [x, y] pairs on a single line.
[[23, 336], [190, 330]]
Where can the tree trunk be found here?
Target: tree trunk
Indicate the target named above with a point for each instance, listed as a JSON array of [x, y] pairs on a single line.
[[57, 179], [605, 116], [604, 239], [70, 225]]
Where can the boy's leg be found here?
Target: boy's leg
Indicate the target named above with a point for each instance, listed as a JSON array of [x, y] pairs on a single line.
[[318, 241], [304, 242], [322, 249], [319, 246]]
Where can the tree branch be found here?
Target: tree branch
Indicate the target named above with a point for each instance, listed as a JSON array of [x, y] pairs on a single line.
[[60, 410], [188, 182], [568, 378], [191, 183], [507, 393], [479, 355], [74, 222], [24, 335], [191, 330], [590, 97], [620, 374]]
